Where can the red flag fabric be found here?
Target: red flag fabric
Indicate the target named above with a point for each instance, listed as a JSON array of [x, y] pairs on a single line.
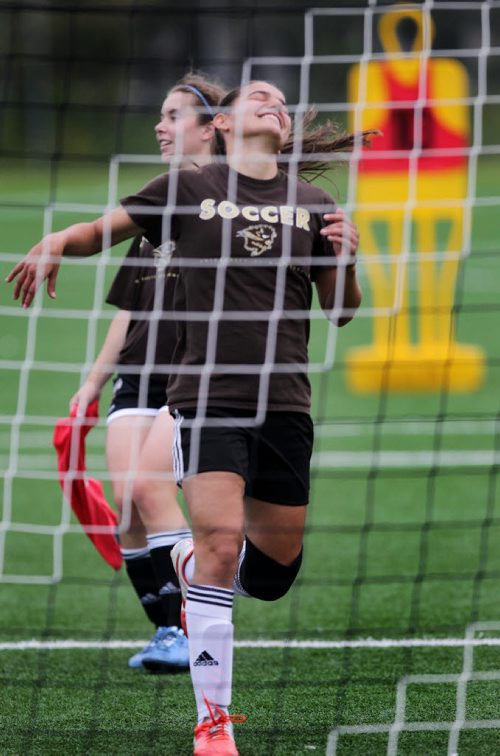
[[85, 495]]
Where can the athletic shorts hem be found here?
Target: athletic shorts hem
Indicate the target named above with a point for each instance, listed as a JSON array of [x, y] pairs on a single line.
[[128, 397], [131, 412], [219, 469]]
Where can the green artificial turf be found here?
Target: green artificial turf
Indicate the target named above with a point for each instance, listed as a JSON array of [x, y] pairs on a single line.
[[390, 552]]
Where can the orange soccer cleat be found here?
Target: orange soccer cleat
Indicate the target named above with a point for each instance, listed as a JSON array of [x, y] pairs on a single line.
[[214, 736]]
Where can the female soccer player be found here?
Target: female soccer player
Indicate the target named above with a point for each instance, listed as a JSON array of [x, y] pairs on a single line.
[[249, 241], [139, 426]]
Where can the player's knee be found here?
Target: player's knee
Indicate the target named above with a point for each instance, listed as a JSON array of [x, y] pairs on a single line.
[[140, 491], [225, 555], [156, 502], [218, 556], [131, 523], [264, 578], [152, 497], [129, 517], [271, 588], [119, 496]]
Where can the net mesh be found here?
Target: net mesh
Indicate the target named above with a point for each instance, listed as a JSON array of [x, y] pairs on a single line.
[[403, 533]]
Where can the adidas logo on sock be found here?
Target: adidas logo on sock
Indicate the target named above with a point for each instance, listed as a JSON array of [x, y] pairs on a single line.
[[205, 660], [169, 588], [149, 598]]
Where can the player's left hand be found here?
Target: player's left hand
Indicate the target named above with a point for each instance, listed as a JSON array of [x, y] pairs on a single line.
[[38, 265], [343, 235]]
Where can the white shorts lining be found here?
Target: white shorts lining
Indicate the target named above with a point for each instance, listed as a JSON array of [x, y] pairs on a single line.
[[132, 412]]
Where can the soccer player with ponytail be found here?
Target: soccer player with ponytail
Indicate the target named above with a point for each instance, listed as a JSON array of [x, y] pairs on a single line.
[[139, 426]]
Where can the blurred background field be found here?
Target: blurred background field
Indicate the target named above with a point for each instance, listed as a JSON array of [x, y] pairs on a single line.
[[403, 539]]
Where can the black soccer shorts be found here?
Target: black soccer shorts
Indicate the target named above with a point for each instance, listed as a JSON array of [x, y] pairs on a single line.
[[127, 398], [273, 458]]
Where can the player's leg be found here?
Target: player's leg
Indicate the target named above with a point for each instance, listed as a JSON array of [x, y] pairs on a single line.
[[213, 486], [275, 512], [270, 558], [215, 501], [125, 435], [272, 553], [127, 427], [275, 507], [155, 495], [155, 489]]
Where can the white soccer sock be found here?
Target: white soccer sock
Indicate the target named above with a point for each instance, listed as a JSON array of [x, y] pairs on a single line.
[[209, 612], [129, 554], [167, 538]]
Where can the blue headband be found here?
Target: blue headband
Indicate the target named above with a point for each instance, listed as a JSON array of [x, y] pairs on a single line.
[[202, 97]]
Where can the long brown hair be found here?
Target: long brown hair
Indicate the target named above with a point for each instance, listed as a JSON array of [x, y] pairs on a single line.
[[321, 138], [316, 139]]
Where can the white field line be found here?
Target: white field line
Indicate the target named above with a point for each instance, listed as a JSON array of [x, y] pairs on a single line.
[[367, 644], [445, 427], [44, 466], [42, 439], [398, 459]]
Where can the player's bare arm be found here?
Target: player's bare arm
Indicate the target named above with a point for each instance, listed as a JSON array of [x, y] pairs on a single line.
[[344, 236], [104, 365], [80, 240]]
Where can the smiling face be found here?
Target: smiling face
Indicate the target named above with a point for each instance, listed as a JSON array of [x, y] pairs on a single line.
[[260, 110], [179, 131]]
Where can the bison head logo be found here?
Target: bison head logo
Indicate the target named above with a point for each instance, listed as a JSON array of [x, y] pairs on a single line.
[[258, 239], [163, 254]]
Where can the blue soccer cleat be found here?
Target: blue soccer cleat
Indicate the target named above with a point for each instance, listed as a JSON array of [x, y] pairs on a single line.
[[169, 654], [135, 661]]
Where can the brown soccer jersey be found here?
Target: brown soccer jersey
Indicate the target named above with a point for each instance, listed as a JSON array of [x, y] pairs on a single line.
[[245, 250], [142, 284]]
